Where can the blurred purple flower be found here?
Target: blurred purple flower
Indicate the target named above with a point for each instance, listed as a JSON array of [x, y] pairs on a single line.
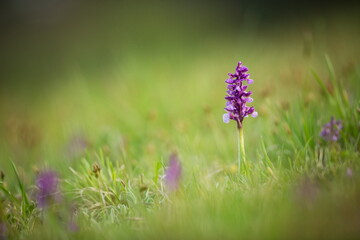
[[72, 225], [173, 173], [307, 191], [349, 172], [3, 231], [237, 96], [48, 191], [331, 130]]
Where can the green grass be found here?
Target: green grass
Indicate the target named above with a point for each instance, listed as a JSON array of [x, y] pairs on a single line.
[[295, 184]]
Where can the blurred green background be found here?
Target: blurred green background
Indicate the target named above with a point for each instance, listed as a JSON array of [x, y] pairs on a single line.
[[137, 80], [76, 68]]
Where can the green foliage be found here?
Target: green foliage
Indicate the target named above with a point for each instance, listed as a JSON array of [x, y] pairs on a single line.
[[295, 184], [18, 212], [103, 191]]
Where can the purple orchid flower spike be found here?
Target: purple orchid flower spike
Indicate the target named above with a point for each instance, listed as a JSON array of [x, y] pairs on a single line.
[[331, 130], [48, 191], [237, 97], [173, 173]]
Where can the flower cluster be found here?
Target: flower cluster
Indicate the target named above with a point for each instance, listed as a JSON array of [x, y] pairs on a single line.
[[331, 130], [48, 192], [237, 96]]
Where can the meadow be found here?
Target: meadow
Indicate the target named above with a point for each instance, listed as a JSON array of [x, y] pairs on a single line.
[[107, 126]]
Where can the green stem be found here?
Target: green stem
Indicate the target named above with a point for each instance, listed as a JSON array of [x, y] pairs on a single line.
[[241, 149]]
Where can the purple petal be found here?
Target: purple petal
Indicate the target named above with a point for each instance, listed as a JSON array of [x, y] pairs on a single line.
[[250, 110], [230, 108], [230, 81], [249, 100], [250, 81], [246, 94], [242, 69], [226, 118]]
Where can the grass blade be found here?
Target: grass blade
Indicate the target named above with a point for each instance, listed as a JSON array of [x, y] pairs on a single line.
[[21, 186]]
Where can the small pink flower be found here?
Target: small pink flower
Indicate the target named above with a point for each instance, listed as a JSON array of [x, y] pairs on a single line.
[[173, 173]]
